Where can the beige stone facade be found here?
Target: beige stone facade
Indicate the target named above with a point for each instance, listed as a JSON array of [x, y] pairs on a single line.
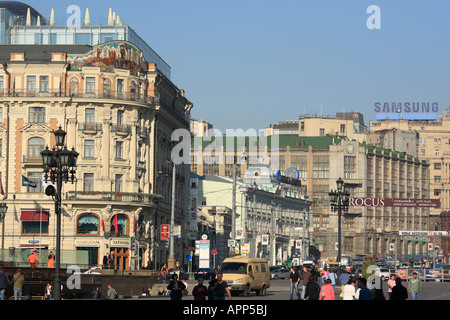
[[369, 172], [119, 113], [434, 147]]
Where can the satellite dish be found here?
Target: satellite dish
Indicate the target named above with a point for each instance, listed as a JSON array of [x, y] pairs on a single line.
[[292, 173]]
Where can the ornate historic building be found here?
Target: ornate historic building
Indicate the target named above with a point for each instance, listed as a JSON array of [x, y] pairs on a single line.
[[119, 112]]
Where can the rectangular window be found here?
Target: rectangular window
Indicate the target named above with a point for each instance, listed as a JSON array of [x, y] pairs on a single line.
[[1, 83], [349, 167], [38, 38], [43, 84], [105, 37], [119, 86], [90, 85], [301, 163], [88, 182], [321, 167], [437, 166], [37, 114], [342, 128], [437, 179], [88, 148], [37, 178], [120, 114], [89, 115], [31, 83], [52, 38], [118, 183], [1, 114], [34, 227], [83, 38], [119, 150], [321, 132], [320, 196]]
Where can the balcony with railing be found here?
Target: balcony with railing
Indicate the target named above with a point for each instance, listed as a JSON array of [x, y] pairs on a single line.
[[121, 128], [90, 126], [123, 197], [72, 93]]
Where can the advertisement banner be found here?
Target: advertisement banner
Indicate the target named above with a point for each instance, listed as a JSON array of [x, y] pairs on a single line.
[[164, 232], [388, 202]]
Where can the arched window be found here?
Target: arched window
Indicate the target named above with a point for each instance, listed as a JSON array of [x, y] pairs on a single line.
[[88, 224], [119, 225], [35, 146]]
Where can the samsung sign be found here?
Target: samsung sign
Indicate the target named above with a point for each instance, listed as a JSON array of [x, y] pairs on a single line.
[[407, 107]]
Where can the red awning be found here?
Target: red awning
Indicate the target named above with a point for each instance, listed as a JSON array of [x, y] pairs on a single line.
[[34, 215]]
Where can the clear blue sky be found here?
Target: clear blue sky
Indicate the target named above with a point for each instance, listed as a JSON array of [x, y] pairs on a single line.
[[249, 63]]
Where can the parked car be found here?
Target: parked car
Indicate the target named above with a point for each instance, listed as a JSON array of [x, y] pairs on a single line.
[[279, 274], [384, 274], [183, 275], [205, 273]]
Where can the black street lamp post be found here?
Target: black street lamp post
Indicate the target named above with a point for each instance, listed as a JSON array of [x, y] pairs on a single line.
[[59, 166], [339, 202]]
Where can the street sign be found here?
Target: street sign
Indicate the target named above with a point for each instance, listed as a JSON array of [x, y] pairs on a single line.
[[188, 257], [231, 243]]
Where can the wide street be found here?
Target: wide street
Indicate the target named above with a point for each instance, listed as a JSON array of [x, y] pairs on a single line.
[[279, 290]]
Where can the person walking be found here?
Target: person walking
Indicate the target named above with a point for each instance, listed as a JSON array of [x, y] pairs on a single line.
[[327, 291], [220, 287], [391, 284], [399, 292], [414, 286], [48, 293], [106, 261], [18, 280], [95, 293], [111, 293], [343, 279], [176, 288], [349, 290], [333, 277], [164, 271], [294, 280], [305, 279], [3, 283], [364, 292], [312, 289], [200, 291]]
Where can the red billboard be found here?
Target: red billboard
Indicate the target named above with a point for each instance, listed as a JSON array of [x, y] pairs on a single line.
[[164, 232], [388, 202]]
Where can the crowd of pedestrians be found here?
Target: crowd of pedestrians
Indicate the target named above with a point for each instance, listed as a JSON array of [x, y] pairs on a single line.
[[313, 284]]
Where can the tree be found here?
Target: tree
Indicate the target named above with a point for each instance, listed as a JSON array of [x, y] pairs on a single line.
[[368, 261]]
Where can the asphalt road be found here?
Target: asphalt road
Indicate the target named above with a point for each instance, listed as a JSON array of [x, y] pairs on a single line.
[[279, 290]]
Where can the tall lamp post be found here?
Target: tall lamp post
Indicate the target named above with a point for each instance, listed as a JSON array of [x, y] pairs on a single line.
[[3, 209], [171, 258], [59, 166], [339, 202]]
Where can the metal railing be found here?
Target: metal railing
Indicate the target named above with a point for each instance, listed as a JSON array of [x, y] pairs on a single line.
[[77, 93], [90, 126], [141, 198]]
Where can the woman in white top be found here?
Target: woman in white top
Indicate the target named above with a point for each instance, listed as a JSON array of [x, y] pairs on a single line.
[[349, 290]]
